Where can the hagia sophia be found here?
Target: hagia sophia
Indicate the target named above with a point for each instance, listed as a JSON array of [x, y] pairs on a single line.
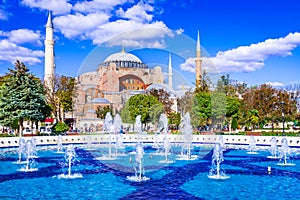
[[120, 76]]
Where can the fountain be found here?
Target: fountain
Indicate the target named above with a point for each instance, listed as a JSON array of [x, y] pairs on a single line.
[[109, 128], [21, 150], [108, 123], [119, 138], [221, 142], [163, 120], [59, 144], [284, 154], [156, 143], [273, 149], [187, 130], [215, 171], [138, 166], [30, 154], [252, 146], [69, 159], [138, 128], [166, 147]]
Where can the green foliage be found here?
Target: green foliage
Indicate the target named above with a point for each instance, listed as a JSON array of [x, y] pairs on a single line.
[[60, 127], [141, 104], [218, 107], [289, 134], [232, 107], [174, 118], [201, 109], [163, 97], [269, 102], [185, 103], [66, 92], [155, 111], [102, 110], [204, 85], [22, 98], [253, 117], [125, 114], [234, 124]]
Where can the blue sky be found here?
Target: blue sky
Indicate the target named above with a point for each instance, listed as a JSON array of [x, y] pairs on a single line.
[[252, 40]]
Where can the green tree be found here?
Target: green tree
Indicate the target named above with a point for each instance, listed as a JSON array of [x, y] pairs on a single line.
[[174, 118], [201, 113], [205, 83], [61, 98], [141, 104], [253, 118], [269, 102], [22, 98], [154, 113], [60, 127], [125, 114], [225, 85], [66, 92], [234, 124], [163, 97], [218, 108], [185, 103], [102, 110], [232, 110]]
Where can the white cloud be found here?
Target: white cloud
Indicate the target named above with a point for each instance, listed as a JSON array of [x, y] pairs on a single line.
[[188, 65], [11, 52], [133, 27], [249, 58], [105, 21], [79, 24], [24, 36], [132, 34], [97, 5], [179, 31], [139, 13], [275, 84], [11, 49], [57, 6]]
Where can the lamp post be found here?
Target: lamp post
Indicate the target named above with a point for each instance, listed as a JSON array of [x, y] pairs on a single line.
[[282, 112]]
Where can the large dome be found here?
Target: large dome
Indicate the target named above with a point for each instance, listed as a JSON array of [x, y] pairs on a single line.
[[122, 56]]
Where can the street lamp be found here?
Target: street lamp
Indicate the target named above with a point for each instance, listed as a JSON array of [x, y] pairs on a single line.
[[282, 112]]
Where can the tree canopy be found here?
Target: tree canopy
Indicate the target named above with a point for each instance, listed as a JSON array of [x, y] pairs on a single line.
[[22, 98], [140, 104]]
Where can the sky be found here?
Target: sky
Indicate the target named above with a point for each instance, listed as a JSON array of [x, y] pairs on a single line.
[[253, 41]]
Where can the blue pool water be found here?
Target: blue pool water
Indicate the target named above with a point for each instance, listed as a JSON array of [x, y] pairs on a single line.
[[179, 180]]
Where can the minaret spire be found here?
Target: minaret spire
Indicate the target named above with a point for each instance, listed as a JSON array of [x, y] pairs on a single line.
[[49, 56], [170, 72], [49, 21], [198, 62]]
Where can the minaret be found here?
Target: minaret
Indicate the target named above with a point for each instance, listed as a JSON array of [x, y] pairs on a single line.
[[49, 56], [170, 72], [198, 62]]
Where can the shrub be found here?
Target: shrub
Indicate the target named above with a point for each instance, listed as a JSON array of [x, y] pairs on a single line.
[[61, 127]]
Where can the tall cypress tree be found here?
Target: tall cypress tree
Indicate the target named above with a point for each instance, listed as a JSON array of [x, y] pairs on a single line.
[[22, 98]]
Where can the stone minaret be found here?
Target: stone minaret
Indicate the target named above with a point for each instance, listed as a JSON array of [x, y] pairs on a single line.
[[49, 73], [170, 79], [198, 62]]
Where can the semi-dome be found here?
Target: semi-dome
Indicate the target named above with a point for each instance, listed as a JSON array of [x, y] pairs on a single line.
[[122, 56], [100, 101]]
